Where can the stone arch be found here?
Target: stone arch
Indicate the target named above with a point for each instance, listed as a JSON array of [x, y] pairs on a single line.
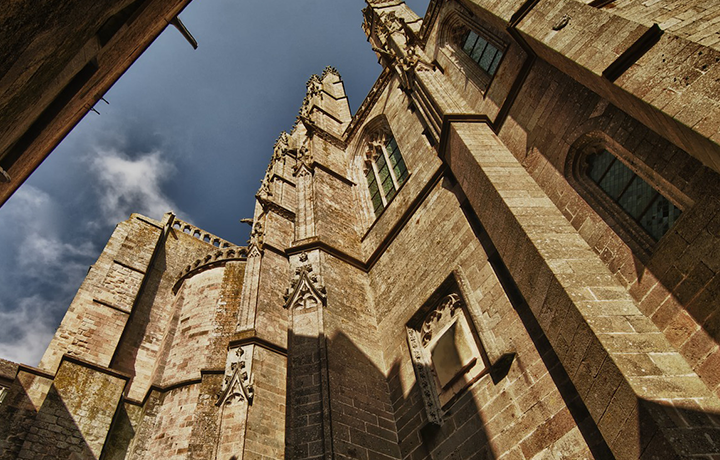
[[591, 138], [378, 164]]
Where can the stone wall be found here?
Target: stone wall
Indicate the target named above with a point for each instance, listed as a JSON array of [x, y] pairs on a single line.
[[68, 416], [673, 279]]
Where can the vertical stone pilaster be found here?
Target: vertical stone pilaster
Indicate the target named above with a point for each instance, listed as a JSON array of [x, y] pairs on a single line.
[[308, 398], [305, 218], [233, 402], [248, 299]]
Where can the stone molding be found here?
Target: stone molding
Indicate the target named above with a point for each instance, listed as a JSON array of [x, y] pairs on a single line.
[[425, 378], [250, 337]]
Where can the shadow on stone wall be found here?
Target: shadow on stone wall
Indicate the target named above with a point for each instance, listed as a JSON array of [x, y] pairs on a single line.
[[698, 431], [120, 436], [355, 413], [133, 334], [49, 433]]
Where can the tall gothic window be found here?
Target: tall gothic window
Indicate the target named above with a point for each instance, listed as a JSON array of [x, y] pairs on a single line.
[[484, 53], [650, 209], [385, 171]]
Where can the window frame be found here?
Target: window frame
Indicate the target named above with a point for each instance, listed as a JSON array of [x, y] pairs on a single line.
[[4, 391], [438, 398], [488, 42], [613, 215], [378, 148], [452, 45], [618, 201]]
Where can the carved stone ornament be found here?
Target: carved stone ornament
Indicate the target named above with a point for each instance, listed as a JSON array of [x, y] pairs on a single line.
[[257, 238], [564, 20], [413, 60], [304, 163], [375, 144], [238, 385], [419, 337], [447, 306], [307, 290], [425, 378], [393, 22]]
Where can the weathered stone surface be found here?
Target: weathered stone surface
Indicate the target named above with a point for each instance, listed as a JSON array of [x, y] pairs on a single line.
[[492, 302]]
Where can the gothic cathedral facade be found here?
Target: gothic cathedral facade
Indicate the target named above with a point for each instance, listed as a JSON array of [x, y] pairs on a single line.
[[510, 251]]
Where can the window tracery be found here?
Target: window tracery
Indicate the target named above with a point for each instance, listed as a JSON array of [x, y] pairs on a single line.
[[485, 54], [650, 209], [385, 170]]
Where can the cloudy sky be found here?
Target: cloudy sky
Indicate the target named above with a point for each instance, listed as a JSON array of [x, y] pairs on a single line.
[[185, 130]]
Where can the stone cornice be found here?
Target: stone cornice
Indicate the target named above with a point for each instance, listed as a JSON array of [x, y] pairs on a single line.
[[217, 259]]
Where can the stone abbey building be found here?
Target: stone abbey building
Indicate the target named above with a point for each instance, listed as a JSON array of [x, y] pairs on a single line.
[[511, 251]]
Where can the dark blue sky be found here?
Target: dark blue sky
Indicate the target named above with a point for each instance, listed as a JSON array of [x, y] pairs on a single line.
[[185, 130]]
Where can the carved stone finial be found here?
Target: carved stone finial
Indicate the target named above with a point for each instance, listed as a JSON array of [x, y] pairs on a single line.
[[264, 192], [281, 145], [307, 290], [329, 70], [238, 383], [305, 162], [257, 238]]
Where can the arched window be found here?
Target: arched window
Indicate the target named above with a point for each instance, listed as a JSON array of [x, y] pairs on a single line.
[[472, 47], [385, 170], [640, 200]]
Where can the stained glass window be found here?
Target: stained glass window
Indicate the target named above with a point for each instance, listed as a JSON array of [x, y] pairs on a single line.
[[386, 174], [654, 212], [484, 53]]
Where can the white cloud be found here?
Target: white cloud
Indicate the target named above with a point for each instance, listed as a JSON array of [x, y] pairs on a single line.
[[44, 256], [29, 209], [131, 185], [30, 329], [40, 270], [32, 221]]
